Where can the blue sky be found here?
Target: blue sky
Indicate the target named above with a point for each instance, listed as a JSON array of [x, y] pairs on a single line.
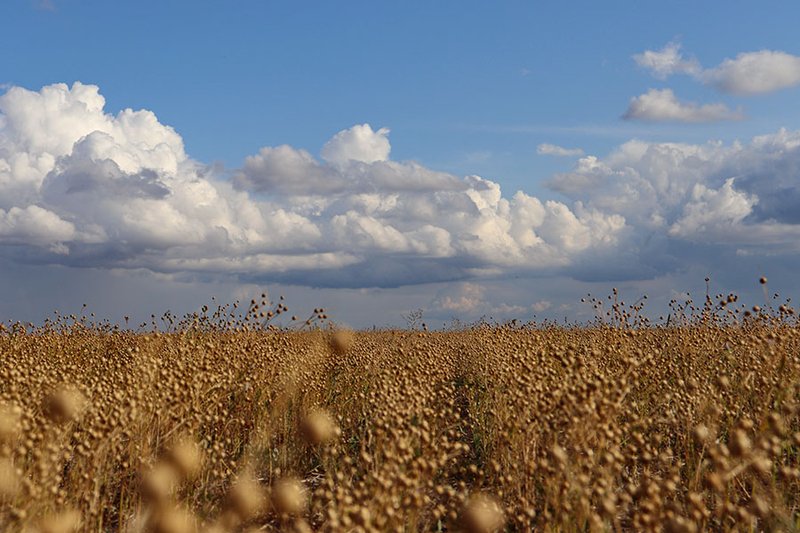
[[464, 88], [451, 79]]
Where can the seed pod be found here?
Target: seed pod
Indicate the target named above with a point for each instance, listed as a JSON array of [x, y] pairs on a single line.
[[739, 443], [246, 498], [289, 497], [319, 428], [701, 433], [341, 341], [482, 514], [64, 405]]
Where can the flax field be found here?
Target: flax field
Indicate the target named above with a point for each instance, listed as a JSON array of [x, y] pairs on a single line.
[[219, 423]]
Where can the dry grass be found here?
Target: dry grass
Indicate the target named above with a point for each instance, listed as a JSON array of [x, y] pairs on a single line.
[[222, 425]]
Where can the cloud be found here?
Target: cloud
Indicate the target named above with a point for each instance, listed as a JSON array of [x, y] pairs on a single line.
[[749, 73], [541, 306], [83, 188], [359, 143], [753, 73], [709, 210], [713, 194], [663, 105], [462, 298], [467, 300], [34, 224], [558, 151], [122, 184], [667, 61], [287, 171]]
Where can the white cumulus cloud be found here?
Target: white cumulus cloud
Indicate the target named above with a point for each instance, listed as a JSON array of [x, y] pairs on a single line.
[[119, 190], [359, 143], [663, 105], [707, 210], [709, 193], [33, 224], [749, 73], [758, 72], [667, 61], [81, 187]]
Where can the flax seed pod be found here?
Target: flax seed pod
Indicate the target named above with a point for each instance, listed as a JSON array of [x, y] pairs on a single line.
[[318, 427], [341, 341], [289, 496], [246, 498], [482, 514], [65, 404]]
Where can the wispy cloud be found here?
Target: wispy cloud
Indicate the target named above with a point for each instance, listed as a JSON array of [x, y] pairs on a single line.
[[558, 151]]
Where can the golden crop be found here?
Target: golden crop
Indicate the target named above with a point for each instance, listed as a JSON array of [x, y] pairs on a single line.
[[231, 427]]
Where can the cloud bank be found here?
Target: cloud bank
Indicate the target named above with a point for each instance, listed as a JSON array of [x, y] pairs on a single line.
[[80, 187]]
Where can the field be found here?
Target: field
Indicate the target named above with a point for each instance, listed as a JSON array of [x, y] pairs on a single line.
[[214, 424]]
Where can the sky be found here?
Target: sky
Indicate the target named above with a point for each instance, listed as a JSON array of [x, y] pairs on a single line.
[[469, 159]]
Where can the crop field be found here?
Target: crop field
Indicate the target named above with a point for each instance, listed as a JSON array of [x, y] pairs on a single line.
[[215, 424]]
